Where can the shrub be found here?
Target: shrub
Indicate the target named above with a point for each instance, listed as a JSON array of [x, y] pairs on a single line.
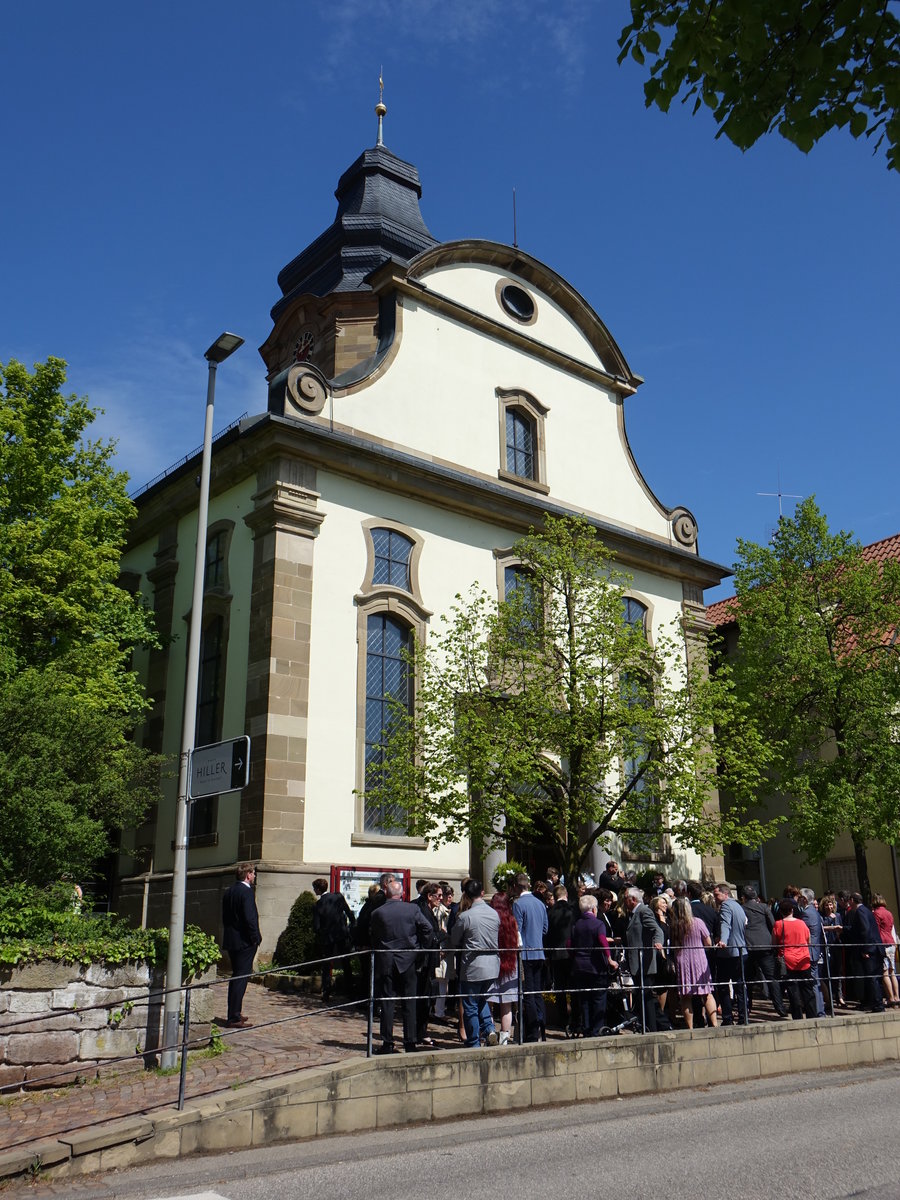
[[42, 923], [297, 942]]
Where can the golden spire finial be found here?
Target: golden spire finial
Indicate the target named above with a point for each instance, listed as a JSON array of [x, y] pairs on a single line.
[[380, 109]]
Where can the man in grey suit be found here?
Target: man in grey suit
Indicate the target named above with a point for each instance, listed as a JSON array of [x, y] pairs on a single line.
[[732, 950], [398, 930], [476, 935], [643, 940], [809, 915]]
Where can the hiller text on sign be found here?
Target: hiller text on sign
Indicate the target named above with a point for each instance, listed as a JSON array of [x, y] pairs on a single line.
[[220, 767]]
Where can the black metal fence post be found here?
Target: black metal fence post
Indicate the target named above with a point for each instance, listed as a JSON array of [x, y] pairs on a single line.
[[826, 956], [642, 997], [371, 1013], [185, 1038], [520, 989]]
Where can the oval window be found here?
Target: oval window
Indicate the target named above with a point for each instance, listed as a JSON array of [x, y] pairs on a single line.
[[517, 302]]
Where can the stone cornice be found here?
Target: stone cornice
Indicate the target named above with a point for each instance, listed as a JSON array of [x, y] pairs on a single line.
[[313, 443]]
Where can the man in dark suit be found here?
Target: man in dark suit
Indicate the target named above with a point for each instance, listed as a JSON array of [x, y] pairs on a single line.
[[760, 955], [429, 902], [398, 930], [560, 919], [861, 931], [241, 939]]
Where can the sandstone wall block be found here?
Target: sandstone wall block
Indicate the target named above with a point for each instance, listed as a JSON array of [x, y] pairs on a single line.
[[133, 974], [40, 977], [106, 1043], [41, 1048]]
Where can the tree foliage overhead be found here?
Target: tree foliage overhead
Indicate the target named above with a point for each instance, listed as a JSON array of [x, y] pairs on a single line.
[[819, 664], [801, 67], [68, 698], [551, 717]]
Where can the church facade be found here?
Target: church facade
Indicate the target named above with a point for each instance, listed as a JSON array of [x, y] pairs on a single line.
[[428, 402]]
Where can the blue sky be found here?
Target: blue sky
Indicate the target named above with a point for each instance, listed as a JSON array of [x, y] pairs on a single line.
[[164, 161]]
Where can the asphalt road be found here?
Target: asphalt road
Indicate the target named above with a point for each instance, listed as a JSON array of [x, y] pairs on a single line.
[[823, 1137]]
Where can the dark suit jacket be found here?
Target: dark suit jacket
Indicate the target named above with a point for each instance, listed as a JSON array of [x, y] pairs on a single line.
[[332, 923], [560, 919], [708, 916], [861, 930], [401, 928], [240, 919], [760, 924]]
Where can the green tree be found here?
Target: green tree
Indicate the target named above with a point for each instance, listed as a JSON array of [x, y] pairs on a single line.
[[801, 67], [68, 698], [552, 717], [817, 662]]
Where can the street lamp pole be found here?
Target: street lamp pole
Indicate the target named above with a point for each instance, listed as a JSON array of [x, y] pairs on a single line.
[[221, 348]]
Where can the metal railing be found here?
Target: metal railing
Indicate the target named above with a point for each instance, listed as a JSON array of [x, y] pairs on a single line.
[[636, 995]]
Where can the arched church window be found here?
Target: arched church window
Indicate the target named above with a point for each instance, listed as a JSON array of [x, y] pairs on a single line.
[[523, 457], [388, 683], [203, 812], [520, 443], [634, 613]]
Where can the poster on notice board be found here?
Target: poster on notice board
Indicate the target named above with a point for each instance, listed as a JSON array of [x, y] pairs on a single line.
[[354, 882]]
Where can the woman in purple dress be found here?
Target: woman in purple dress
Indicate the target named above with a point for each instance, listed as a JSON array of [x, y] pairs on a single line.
[[690, 938]]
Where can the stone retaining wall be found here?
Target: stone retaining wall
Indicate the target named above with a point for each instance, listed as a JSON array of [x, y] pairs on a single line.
[[52, 1031], [365, 1094]]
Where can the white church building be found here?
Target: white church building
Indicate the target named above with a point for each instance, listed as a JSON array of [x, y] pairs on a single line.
[[428, 402]]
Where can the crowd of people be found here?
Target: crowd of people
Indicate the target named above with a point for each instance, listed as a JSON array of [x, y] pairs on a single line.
[[606, 957]]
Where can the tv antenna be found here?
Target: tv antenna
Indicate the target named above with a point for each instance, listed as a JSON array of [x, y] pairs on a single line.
[[781, 496]]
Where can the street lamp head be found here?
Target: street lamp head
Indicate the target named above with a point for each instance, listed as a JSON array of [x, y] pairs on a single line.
[[224, 345]]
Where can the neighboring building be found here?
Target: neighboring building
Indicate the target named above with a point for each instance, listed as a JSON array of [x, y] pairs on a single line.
[[427, 403], [776, 863]]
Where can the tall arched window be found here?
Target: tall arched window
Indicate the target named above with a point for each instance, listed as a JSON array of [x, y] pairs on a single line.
[[523, 455], [210, 694], [520, 443], [520, 588], [387, 682], [634, 613], [203, 813]]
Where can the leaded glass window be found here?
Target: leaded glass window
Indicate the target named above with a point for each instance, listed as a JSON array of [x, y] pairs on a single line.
[[387, 682], [519, 582], [215, 560], [634, 613], [392, 553], [519, 443]]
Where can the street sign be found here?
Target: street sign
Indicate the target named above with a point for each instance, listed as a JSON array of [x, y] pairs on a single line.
[[220, 767]]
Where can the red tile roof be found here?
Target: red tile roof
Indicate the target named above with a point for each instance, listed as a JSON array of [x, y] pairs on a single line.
[[724, 612], [887, 548]]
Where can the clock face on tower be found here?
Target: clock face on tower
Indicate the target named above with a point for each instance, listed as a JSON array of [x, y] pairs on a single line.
[[304, 346]]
